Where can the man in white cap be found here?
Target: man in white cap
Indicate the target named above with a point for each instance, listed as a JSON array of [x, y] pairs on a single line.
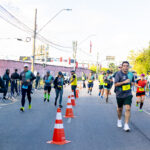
[[26, 78]]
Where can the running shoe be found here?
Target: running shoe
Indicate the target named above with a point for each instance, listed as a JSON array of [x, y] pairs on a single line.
[[137, 105], [119, 123], [22, 109], [44, 99], [140, 110], [101, 97], [126, 127], [60, 106], [107, 100], [47, 100], [30, 106], [55, 103]]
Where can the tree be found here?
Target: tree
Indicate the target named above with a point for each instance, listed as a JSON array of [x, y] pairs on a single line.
[[140, 61]]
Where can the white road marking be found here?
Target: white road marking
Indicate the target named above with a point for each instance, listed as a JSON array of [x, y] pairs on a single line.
[[69, 120], [146, 112]]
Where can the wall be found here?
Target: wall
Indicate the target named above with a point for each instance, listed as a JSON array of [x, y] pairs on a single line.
[[11, 64]]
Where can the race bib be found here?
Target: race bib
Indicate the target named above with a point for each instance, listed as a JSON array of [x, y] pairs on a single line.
[[141, 89], [46, 81], [126, 87], [105, 84], [90, 81], [25, 87]]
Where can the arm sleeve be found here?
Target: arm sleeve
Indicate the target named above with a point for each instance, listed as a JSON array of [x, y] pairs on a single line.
[[117, 79], [32, 77]]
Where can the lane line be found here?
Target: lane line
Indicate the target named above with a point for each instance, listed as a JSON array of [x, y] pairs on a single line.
[[146, 112], [69, 120]]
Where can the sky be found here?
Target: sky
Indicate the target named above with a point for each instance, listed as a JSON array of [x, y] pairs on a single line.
[[117, 27]]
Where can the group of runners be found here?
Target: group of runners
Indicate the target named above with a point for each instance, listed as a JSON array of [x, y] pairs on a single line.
[[123, 81]]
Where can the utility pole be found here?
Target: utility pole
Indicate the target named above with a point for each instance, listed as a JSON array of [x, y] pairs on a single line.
[[34, 41], [74, 43]]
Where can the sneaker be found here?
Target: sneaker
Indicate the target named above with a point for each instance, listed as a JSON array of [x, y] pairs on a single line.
[[126, 127], [106, 100], [47, 100], [55, 103], [101, 97], [60, 106], [140, 110], [119, 124], [22, 109], [137, 105], [30, 106], [44, 99]]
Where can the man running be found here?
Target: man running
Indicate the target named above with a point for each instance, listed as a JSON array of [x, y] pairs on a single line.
[[141, 84], [7, 80], [73, 82], [58, 85], [37, 81], [83, 79], [123, 82], [48, 80], [101, 84], [107, 84], [2, 87], [14, 82], [90, 82], [26, 78]]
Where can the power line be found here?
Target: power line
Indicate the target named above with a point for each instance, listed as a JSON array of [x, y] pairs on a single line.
[[27, 29]]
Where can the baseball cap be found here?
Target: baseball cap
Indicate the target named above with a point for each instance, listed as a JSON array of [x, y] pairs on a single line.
[[60, 73], [72, 71], [142, 75], [26, 65]]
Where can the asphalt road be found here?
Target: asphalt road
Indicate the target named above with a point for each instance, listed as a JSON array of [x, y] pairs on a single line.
[[94, 127]]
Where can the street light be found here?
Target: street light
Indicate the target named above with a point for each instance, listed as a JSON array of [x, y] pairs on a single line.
[[53, 18], [35, 32]]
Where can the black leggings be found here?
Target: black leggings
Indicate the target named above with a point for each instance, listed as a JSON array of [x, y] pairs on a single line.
[[3, 90], [24, 91]]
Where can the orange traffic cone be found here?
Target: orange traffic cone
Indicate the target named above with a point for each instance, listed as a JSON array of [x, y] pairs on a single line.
[[69, 110], [77, 93], [59, 133], [73, 100]]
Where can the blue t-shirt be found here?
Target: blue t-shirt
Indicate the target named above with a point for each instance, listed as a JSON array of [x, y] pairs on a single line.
[[124, 90], [48, 80]]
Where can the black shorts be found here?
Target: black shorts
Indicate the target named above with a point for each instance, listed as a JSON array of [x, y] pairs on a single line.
[[90, 85], [101, 87], [73, 87], [140, 94], [47, 88], [124, 101]]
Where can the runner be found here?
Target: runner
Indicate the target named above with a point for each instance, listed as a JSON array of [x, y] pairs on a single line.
[[90, 82], [26, 78], [48, 80], [7, 80], [101, 84], [123, 81], [14, 82], [58, 85], [84, 79], [37, 81], [73, 82], [107, 84], [141, 84], [2, 87]]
